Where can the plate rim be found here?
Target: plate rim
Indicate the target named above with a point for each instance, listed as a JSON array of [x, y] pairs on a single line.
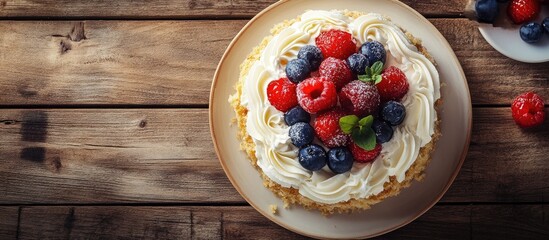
[[498, 47], [281, 223]]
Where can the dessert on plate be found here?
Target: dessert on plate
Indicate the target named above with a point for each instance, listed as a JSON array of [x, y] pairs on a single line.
[[337, 110]]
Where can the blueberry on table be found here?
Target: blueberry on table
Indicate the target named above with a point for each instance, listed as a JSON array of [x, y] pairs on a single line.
[[301, 134], [295, 115], [487, 10], [531, 32], [340, 160], [374, 51], [297, 70], [393, 113], [383, 131], [312, 157], [545, 24], [358, 63], [312, 54]]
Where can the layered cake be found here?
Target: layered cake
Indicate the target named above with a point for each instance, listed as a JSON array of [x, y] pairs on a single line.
[[337, 110]]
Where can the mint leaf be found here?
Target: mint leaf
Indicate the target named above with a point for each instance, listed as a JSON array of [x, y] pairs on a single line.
[[366, 122], [373, 74], [347, 123], [377, 79], [365, 139], [377, 67]]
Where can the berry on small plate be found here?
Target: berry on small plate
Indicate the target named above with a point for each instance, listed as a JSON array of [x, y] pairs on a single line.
[[511, 35]]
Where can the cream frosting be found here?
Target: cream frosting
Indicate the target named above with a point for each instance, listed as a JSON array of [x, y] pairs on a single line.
[[277, 157]]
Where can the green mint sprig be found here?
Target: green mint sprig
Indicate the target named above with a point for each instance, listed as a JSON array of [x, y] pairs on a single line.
[[360, 129], [373, 74]]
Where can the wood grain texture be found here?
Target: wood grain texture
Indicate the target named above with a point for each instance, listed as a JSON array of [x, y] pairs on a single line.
[[178, 9], [165, 155], [441, 222], [91, 156], [510, 221], [8, 222], [173, 62]]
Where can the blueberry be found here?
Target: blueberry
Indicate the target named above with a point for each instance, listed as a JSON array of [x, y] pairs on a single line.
[[374, 51], [340, 160], [487, 10], [393, 113], [531, 32], [545, 24], [358, 63], [297, 70], [301, 134], [312, 157], [295, 115], [312, 54], [383, 131]]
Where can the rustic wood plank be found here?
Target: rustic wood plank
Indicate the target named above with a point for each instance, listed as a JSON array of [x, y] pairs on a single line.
[[165, 155], [8, 222], [510, 221], [173, 62], [62, 156], [178, 9], [446, 222]]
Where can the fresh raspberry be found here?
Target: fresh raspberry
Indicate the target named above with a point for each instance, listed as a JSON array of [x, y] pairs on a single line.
[[364, 156], [337, 71], [282, 94], [359, 98], [336, 43], [528, 110], [394, 85], [521, 11], [316, 94], [328, 131]]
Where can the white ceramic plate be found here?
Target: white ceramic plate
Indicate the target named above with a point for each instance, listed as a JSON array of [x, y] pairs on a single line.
[[507, 41], [388, 215]]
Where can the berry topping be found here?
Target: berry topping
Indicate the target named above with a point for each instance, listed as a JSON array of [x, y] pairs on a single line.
[[374, 51], [340, 160], [312, 54], [521, 11], [528, 110], [295, 115], [336, 43], [301, 134], [383, 131], [364, 156], [282, 94], [316, 94], [359, 98], [337, 71], [312, 157], [328, 131], [394, 84], [487, 10], [531, 32], [393, 113], [358, 63], [545, 24], [297, 70]]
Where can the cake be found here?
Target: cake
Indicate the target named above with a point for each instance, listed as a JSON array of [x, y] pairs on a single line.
[[346, 154]]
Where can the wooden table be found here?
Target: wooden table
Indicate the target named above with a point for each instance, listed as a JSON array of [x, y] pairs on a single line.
[[104, 129]]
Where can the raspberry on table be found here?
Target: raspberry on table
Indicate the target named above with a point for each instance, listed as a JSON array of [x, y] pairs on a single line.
[[327, 129], [364, 156], [316, 94], [528, 110], [394, 84], [336, 43], [282, 94], [359, 98], [337, 71]]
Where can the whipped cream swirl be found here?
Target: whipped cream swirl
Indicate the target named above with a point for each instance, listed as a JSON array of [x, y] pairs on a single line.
[[277, 157]]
